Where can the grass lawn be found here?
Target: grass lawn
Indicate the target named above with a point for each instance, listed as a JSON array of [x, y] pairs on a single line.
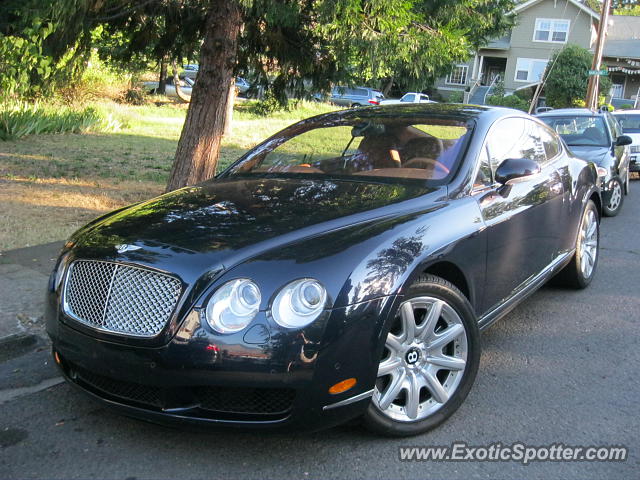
[[50, 185]]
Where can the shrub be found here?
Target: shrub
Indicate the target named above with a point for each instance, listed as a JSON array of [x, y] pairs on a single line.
[[270, 104], [567, 75], [21, 119], [97, 81], [626, 106], [510, 101], [135, 96], [455, 97]]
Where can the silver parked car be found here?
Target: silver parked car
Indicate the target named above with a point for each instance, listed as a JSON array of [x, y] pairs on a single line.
[[355, 96], [186, 85]]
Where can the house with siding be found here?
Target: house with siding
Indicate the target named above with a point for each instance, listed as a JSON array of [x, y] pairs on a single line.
[[541, 28]]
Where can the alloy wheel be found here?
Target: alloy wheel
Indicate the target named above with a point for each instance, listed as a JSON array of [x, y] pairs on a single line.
[[423, 362], [616, 196], [588, 243]]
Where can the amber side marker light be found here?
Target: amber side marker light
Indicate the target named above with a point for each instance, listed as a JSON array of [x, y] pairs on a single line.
[[343, 386], [56, 357]]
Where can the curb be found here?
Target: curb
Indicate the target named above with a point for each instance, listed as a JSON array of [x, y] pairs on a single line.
[[16, 344]]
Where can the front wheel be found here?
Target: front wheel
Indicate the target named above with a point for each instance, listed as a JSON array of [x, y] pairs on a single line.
[[429, 362], [617, 198], [580, 271]]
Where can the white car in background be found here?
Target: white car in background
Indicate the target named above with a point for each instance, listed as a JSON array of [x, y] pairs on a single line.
[[630, 122], [411, 97]]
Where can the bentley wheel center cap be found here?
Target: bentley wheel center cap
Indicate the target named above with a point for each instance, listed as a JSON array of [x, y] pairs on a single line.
[[412, 356]]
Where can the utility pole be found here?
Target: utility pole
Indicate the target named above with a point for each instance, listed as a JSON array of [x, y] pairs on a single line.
[[594, 80]]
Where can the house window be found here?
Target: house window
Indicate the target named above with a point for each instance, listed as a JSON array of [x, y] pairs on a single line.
[[530, 69], [458, 76], [551, 30]]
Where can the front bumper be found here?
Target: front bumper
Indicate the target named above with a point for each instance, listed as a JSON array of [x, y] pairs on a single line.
[[269, 379]]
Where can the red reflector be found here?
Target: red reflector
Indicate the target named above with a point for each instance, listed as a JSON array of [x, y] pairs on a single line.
[[212, 348]]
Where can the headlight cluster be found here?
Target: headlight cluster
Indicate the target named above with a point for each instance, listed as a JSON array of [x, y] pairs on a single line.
[[232, 307]]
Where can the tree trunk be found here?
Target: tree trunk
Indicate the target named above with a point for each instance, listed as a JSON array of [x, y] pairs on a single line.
[[231, 100], [163, 76], [176, 83], [388, 87], [199, 144]]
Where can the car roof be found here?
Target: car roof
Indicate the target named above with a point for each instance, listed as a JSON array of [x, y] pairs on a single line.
[[573, 112], [626, 112], [461, 111]]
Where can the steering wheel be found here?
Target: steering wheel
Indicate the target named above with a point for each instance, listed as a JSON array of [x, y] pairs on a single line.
[[424, 162]]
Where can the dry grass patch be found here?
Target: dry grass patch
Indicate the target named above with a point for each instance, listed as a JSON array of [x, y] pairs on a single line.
[[36, 211]]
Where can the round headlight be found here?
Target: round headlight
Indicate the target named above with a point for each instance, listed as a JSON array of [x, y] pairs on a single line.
[[299, 303], [233, 306]]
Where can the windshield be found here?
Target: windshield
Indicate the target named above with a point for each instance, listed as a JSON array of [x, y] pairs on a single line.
[[400, 148], [630, 122], [580, 131]]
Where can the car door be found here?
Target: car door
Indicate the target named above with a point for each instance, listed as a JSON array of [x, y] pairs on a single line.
[[620, 152], [523, 218]]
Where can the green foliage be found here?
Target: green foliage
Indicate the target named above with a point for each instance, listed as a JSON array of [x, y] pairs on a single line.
[[43, 44], [626, 106], [21, 59], [455, 97], [18, 120], [509, 101], [628, 9], [567, 75], [269, 105]]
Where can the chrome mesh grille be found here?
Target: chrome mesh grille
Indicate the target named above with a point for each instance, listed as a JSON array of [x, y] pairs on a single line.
[[119, 298]]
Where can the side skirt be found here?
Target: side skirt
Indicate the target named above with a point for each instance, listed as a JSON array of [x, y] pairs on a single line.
[[527, 288]]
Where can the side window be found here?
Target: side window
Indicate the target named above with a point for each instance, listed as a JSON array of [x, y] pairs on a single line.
[[515, 138], [409, 97], [485, 176], [361, 92], [550, 141], [614, 126]]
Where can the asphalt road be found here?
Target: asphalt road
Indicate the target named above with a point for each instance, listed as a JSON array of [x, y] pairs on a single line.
[[561, 368]]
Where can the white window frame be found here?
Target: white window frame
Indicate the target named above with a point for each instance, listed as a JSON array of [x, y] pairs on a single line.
[[552, 29], [466, 75], [529, 69]]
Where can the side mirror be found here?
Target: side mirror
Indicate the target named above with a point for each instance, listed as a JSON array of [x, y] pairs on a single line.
[[513, 168], [623, 140]]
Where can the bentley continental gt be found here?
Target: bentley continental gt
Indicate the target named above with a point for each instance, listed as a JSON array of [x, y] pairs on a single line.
[[341, 269]]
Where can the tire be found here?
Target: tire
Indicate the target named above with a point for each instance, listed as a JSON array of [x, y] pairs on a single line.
[[582, 268], [617, 198], [355, 105], [626, 183], [423, 381]]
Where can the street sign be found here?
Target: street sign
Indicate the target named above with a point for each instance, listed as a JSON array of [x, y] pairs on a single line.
[[602, 73]]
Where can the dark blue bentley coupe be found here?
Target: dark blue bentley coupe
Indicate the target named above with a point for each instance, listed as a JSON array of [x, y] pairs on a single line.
[[343, 268]]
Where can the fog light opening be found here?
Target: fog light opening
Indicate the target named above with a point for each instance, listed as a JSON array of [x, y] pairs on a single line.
[[343, 386]]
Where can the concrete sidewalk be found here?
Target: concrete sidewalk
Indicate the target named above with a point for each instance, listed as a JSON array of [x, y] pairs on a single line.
[[24, 274]]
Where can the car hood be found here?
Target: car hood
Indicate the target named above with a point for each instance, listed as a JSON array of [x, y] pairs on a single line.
[[222, 222], [597, 155]]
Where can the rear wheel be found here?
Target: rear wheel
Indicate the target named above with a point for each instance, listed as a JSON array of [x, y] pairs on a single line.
[[429, 363], [582, 268], [616, 200]]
